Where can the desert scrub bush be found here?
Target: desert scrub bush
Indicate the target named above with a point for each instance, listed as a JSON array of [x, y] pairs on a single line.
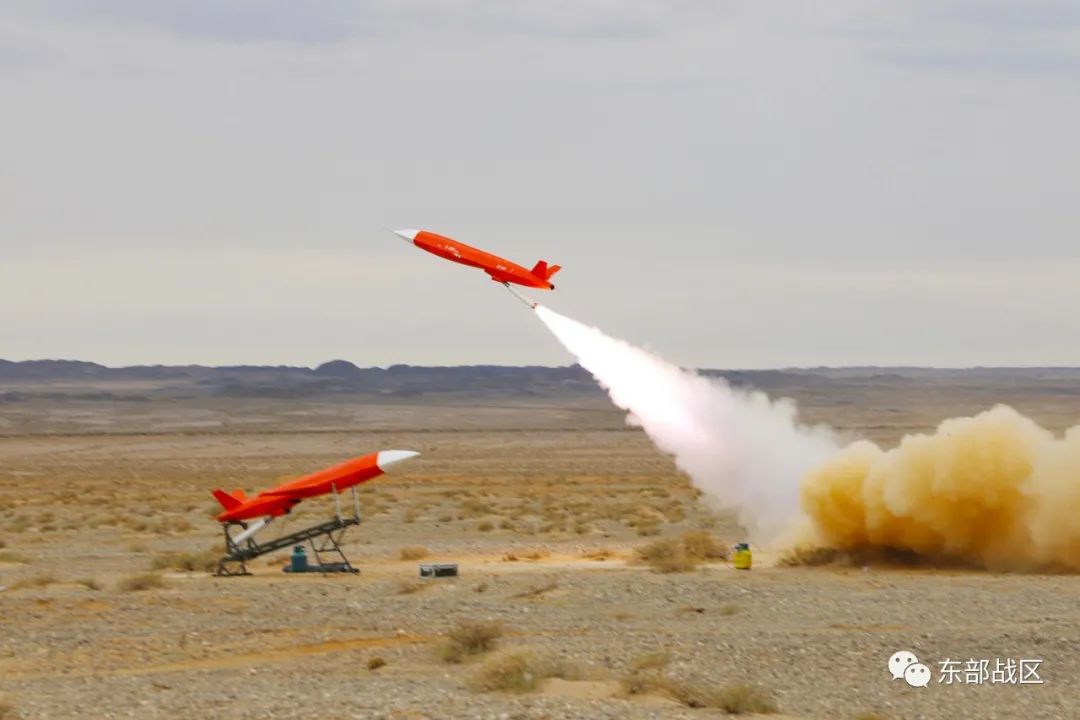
[[485, 526], [649, 679], [469, 639], [413, 552], [205, 561], [411, 587], [89, 583], [179, 525], [519, 671], [538, 590], [665, 556], [809, 557], [650, 661], [702, 545], [732, 699], [375, 663], [142, 581], [36, 581]]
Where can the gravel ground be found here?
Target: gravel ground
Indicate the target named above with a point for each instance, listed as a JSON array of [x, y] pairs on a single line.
[[289, 647], [100, 508]]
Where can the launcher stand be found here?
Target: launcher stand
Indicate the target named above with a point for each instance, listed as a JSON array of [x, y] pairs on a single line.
[[324, 539]]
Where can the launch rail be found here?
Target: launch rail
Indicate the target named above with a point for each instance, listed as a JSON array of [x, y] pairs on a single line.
[[324, 539]]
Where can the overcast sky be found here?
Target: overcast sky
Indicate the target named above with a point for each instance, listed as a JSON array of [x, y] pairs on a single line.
[[732, 184]]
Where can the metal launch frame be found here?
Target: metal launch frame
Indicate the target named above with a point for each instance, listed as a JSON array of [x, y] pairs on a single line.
[[324, 538]]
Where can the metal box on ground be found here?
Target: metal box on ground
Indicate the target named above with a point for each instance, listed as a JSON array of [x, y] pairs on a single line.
[[437, 570]]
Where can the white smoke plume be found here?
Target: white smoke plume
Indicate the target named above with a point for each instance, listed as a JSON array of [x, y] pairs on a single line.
[[743, 450]]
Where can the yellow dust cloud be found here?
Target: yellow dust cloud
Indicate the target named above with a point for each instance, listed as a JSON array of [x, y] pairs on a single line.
[[995, 489]]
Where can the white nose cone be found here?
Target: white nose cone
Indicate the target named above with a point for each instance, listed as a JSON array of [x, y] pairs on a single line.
[[407, 235], [388, 458]]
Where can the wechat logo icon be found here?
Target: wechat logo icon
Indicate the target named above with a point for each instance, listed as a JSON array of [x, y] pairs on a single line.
[[904, 665]]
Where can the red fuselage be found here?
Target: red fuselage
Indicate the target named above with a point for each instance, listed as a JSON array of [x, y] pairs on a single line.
[[281, 499], [498, 268]]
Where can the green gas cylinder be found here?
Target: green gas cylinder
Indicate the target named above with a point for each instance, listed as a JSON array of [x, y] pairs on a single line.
[[742, 559], [298, 560]]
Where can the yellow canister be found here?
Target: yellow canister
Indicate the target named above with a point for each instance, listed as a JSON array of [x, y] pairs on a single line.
[[742, 558]]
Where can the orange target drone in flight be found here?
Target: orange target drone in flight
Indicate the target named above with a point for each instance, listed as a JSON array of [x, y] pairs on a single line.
[[500, 269], [278, 501]]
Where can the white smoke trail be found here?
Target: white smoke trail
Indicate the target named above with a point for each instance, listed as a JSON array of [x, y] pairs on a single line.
[[742, 449]]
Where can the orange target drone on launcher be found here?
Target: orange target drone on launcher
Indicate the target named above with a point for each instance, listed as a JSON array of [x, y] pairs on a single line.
[[280, 500], [499, 269]]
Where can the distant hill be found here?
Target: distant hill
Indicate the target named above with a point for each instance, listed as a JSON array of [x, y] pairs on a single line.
[[75, 378]]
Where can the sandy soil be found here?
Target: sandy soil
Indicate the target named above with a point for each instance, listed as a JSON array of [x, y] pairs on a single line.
[[525, 498]]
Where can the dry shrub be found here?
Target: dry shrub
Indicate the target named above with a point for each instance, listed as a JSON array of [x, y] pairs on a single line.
[[485, 526], [89, 583], [538, 590], [732, 699], [205, 561], [729, 609], [600, 554], [665, 556], [648, 530], [410, 587], [180, 525], [7, 556], [142, 581], [375, 663], [413, 552], [37, 581], [650, 661], [702, 545], [519, 671], [810, 557], [468, 640]]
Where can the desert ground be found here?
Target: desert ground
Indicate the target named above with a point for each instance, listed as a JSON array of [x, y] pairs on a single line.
[[107, 610]]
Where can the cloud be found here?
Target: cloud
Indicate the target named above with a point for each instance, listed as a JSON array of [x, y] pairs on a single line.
[[1003, 36], [299, 21], [22, 49], [678, 158], [306, 22]]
